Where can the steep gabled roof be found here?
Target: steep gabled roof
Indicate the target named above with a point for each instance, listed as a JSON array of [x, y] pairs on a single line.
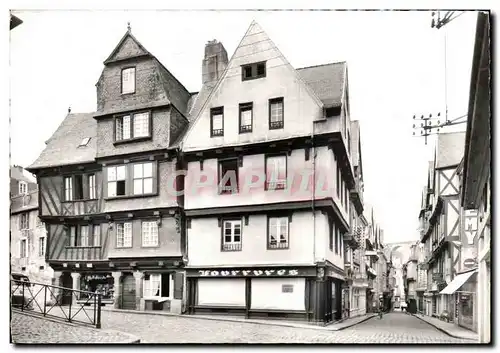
[[137, 49], [63, 147], [327, 81], [450, 149]]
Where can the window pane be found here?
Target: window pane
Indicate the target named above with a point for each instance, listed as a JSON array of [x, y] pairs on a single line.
[[217, 122], [137, 171], [119, 129], [141, 125], [237, 238], [227, 238], [111, 173], [112, 188], [127, 234], [148, 186], [128, 80], [246, 117], [237, 229], [138, 187], [120, 172], [126, 127], [148, 170]]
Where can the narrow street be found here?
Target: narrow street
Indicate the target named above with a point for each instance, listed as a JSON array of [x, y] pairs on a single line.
[[392, 328]]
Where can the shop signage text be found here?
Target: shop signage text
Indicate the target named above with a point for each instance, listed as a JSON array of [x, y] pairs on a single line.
[[247, 273]]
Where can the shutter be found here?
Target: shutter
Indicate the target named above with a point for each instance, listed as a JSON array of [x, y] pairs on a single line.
[[155, 177], [85, 186], [178, 285]]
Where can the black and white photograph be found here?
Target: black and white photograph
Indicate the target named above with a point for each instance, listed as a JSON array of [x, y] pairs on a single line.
[[249, 176]]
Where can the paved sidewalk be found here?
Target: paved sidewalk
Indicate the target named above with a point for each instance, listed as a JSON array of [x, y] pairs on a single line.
[[449, 328], [26, 328], [296, 324]]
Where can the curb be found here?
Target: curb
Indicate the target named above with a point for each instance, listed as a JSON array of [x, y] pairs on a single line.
[[246, 321], [443, 330], [131, 338]]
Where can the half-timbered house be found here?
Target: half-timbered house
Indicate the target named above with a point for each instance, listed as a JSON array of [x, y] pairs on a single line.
[[269, 174], [104, 177]]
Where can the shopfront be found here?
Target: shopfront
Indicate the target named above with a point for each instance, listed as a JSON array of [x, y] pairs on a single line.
[[101, 283]]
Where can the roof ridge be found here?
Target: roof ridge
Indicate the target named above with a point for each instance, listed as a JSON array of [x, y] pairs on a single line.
[[332, 63]]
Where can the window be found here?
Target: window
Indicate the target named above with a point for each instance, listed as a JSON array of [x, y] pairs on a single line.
[[23, 187], [96, 236], [92, 187], [246, 113], [78, 187], [278, 233], [228, 176], [276, 113], [331, 231], [253, 71], [84, 236], [80, 235], [149, 233], [132, 126], [128, 80], [217, 121], [143, 178], [85, 142], [341, 243], [157, 285], [124, 235], [24, 221], [68, 188], [23, 249], [231, 239], [116, 181], [355, 294], [337, 236], [41, 246], [276, 172]]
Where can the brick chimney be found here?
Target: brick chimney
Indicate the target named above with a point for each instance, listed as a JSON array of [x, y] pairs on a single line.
[[215, 61]]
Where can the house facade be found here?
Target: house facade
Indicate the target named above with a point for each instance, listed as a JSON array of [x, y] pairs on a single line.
[[113, 224], [269, 172]]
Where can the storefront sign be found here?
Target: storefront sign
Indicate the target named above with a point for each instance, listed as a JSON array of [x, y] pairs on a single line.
[[96, 277], [250, 272]]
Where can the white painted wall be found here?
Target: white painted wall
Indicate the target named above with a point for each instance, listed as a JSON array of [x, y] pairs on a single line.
[[267, 293], [214, 291], [204, 242]]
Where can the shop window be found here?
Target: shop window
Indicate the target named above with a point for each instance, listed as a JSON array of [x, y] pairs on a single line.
[[101, 283], [157, 285]]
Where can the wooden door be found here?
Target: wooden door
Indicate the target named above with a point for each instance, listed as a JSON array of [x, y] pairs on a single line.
[[128, 292]]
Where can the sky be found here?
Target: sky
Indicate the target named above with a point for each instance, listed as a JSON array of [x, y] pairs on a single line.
[[396, 68]]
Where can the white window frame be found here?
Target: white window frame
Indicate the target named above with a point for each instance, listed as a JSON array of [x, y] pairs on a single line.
[[96, 235], [23, 188], [147, 288], [149, 232], [140, 179], [114, 177], [274, 164], [41, 246], [84, 236], [128, 80], [132, 126], [279, 223], [123, 235], [140, 125], [276, 111], [232, 245], [68, 188]]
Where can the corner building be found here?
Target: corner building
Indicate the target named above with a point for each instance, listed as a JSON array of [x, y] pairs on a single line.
[[259, 243]]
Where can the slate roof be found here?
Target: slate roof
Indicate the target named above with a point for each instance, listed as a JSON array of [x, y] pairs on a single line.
[[450, 149], [62, 148], [17, 174], [31, 202], [326, 81]]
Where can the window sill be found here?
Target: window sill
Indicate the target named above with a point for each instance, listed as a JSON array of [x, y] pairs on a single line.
[[127, 93], [253, 78], [120, 197], [135, 139], [123, 247], [80, 200], [150, 246]]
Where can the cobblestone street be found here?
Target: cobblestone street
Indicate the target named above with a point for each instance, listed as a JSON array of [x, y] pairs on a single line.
[[393, 328]]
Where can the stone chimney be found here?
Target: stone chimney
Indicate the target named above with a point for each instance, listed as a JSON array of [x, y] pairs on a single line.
[[215, 62]]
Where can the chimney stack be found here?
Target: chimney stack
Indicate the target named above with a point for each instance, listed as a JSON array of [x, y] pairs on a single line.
[[214, 62]]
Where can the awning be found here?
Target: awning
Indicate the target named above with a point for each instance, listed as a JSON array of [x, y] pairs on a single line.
[[457, 282]]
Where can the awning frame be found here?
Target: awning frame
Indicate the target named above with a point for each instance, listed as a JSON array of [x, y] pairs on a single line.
[[458, 282]]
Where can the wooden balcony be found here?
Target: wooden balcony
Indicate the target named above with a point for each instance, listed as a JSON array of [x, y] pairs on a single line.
[[79, 208], [83, 253]]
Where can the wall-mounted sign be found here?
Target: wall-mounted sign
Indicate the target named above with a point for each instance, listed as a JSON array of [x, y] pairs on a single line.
[[470, 262], [252, 272]]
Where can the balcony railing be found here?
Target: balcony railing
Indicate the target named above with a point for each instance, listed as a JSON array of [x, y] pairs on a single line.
[[85, 253], [275, 245], [40, 299], [231, 247]]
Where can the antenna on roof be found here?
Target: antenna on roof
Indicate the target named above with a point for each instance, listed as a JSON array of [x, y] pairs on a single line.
[[129, 29]]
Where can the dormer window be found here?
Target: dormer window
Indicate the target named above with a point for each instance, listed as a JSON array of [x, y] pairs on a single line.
[[128, 80], [133, 126], [84, 142], [23, 188], [253, 71]]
